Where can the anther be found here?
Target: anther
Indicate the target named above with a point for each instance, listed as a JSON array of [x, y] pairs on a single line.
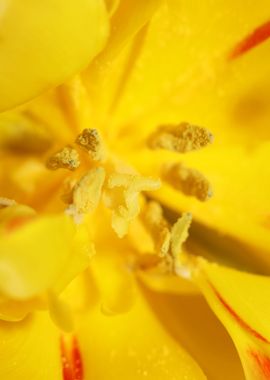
[[189, 181], [90, 141], [181, 138], [66, 158]]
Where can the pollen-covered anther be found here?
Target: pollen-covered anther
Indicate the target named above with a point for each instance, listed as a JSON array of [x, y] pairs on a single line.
[[122, 196], [189, 181], [90, 141], [66, 158], [157, 225], [181, 138], [87, 192]]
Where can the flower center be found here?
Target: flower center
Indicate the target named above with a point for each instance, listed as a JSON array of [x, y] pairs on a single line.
[[102, 177], [94, 187]]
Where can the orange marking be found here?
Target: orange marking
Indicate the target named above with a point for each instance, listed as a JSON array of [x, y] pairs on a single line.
[[259, 35], [71, 360], [263, 362], [18, 222], [237, 318]]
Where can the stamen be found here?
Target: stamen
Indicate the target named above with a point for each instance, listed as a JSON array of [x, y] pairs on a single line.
[[189, 181], [181, 138], [90, 141], [6, 202], [168, 240], [157, 225], [87, 191], [180, 233], [66, 158]]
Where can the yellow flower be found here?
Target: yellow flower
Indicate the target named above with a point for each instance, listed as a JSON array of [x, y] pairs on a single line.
[[100, 174]]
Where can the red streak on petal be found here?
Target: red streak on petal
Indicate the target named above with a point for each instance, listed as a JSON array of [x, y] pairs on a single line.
[[259, 35], [66, 367], [237, 318], [263, 362], [72, 366], [77, 361]]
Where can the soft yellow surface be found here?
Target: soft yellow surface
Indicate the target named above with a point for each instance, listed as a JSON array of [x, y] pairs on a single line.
[[190, 321], [30, 350], [133, 345], [130, 18], [45, 42], [182, 74], [40, 256], [169, 68], [244, 310]]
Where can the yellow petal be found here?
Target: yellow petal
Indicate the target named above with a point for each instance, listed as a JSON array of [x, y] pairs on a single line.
[[106, 78], [240, 301], [44, 43], [191, 322], [37, 256], [60, 312], [133, 345], [128, 20], [30, 350], [163, 283], [229, 97], [181, 55], [115, 282], [13, 311], [112, 6]]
